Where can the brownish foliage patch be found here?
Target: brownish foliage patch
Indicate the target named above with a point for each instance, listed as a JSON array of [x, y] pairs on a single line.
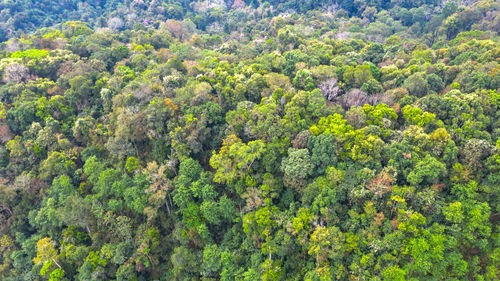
[[5, 134]]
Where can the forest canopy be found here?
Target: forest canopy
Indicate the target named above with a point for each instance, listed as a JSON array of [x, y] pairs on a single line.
[[248, 140]]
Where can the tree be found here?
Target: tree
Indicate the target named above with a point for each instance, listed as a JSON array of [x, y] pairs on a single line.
[[417, 116], [435, 82], [75, 28], [46, 255], [304, 81], [189, 172], [323, 152], [210, 211], [185, 263], [354, 97], [56, 164], [130, 131], [449, 8], [235, 159], [325, 242], [296, 167], [374, 53], [355, 77], [115, 23], [393, 273], [469, 214], [417, 85], [134, 195], [61, 188], [83, 129], [271, 270], [159, 189], [330, 89], [211, 260], [16, 73], [427, 171], [132, 165], [372, 87], [474, 153]]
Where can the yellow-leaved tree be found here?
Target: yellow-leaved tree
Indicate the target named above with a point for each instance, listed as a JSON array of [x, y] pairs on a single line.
[[46, 254]]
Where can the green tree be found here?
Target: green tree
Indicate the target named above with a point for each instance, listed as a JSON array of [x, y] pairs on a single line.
[[297, 167], [417, 85], [46, 255], [427, 171], [235, 159], [304, 81], [323, 152]]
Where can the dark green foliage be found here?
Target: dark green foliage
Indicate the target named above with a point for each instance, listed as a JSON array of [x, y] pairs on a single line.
[[323, 152], [417, 85]]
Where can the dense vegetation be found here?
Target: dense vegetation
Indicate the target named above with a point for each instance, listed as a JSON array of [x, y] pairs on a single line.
[[416, 17], [288, 140]]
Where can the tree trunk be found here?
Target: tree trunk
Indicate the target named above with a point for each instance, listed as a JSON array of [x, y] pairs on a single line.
[[57, 264]]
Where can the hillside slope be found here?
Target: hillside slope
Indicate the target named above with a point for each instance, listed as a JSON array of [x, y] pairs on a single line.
[[239, 141]]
